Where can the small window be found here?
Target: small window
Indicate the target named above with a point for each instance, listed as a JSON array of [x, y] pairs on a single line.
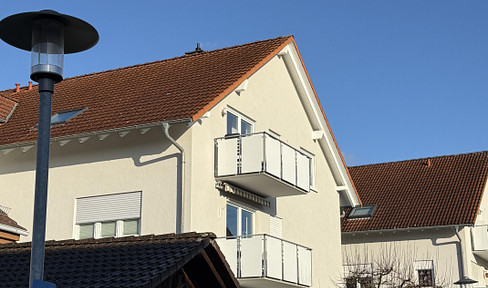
[[425, 278], [108, 229], [63, 116], [238, 124], [358, 276], [362, 212], [425, 273], [87, 231], [131, 227]]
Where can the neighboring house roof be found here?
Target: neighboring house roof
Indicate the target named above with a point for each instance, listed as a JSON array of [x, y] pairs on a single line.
[[425, 192], [8, 224], [178, 88], [146, 261]]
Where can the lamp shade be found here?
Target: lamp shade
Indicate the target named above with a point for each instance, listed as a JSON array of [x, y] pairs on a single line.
[[48, 35]]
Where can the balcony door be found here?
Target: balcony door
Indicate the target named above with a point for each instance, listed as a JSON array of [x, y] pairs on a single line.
[[239, 221]]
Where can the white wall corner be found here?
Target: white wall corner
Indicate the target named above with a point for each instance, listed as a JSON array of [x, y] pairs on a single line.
[[64, 142], [6, 151], [318, 134], [26, 148], [102, 137], [242, 87], [144, 130], [123, 133], [82, 140]]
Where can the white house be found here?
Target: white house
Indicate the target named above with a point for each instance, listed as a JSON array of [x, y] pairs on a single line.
[[424, 217], [228, 141]]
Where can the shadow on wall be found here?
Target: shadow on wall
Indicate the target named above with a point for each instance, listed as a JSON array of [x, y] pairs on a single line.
[[114, 147]]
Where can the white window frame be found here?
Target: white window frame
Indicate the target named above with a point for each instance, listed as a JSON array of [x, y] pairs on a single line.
[[115, 208], [313, 168], [424, 265], [119, 229], [240, 117], [241, 208]]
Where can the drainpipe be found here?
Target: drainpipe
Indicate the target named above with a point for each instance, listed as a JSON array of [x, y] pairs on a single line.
[[465, 280], [180, 197]]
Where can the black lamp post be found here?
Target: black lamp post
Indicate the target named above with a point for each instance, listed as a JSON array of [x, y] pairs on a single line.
[[48, 35]]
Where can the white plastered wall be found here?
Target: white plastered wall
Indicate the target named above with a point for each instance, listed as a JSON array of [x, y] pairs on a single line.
[[135, 162], [311, 220], [439, 245]]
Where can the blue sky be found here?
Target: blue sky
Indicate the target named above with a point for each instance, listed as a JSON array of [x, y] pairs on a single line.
[[397, 79]]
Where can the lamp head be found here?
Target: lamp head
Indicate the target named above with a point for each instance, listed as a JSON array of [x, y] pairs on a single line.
[[48, 35]]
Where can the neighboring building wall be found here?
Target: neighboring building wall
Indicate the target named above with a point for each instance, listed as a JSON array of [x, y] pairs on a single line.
[[478, 264], [439, 245]]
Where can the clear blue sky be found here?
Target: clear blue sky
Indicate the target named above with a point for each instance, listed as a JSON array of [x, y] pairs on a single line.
[[397, 79]]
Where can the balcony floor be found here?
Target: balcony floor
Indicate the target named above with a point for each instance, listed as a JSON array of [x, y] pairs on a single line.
[[262, 184], [265, 283]]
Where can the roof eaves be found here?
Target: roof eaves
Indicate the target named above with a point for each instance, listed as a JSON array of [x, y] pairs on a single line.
[[327, 122], [95, 133]]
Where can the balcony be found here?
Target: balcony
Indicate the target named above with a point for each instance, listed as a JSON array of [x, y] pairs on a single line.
[[266, 261], [262, 164], [479, 237]]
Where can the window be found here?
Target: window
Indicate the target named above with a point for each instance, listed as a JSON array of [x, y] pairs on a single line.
[[358, 276], [425, 273], [112, 215], [312, 167], [117, 228], [362, 212], [63, 116], [237, 123], [239, 221]]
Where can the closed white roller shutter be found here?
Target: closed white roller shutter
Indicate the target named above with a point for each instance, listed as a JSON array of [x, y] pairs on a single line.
[[275, 226], [108, 207]]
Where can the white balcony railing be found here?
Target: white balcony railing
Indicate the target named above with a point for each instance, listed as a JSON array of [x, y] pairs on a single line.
[[262, 164], [263, 259]]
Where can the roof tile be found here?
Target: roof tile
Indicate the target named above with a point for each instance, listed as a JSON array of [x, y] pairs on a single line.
[[434, 191], [143, 261], [177, 88]]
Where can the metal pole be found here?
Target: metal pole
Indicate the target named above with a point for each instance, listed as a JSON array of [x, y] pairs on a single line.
[[46, 89]]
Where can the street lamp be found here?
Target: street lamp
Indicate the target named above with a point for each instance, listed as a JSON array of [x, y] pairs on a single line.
[[465, 281], [48, 35]]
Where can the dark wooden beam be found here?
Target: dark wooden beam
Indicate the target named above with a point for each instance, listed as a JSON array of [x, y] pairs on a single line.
[[212, 268]]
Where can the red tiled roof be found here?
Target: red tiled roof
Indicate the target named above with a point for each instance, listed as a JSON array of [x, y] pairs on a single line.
[[5, 220], [145, 262], [6, 107], [435, 191], [177, 88]]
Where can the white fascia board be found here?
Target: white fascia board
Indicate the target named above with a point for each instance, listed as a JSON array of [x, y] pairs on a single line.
[[306, 92], [14, 230]]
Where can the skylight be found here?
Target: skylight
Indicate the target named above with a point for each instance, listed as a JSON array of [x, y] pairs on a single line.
[[63, 116], [362, 212]]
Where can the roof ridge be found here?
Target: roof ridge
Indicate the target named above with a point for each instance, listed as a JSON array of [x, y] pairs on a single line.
[[422, 158], [174, 58]]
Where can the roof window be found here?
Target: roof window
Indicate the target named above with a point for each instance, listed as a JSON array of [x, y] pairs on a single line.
[[63, 116], [362, 212]]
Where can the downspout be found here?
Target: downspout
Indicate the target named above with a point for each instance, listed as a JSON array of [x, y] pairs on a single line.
[[181, 194], [464, 278]]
